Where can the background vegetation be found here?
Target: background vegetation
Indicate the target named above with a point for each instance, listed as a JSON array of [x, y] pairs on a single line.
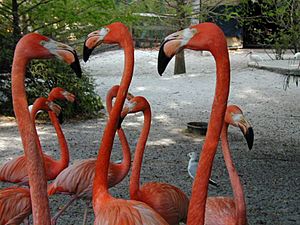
[[266, 24]]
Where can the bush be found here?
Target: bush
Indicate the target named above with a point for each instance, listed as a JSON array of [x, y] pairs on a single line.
[[43, 75]]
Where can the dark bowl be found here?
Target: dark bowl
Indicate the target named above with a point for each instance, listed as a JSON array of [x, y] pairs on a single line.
[[199, 128]]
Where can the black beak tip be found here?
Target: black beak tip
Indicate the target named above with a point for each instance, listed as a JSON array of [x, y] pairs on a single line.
[[250, 137], [76, 66], [61, 118], [163, 60], [86, 52]]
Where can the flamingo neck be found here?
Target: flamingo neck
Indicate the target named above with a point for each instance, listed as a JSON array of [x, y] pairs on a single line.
[[134, 185], [124, 166], [100, 188], [200, 186], [33, 117], [63, 162], [237, 188], [35, 166]]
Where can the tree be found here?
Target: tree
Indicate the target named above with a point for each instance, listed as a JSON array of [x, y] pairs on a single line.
[[175, 15], [68, 21], [272, 23]]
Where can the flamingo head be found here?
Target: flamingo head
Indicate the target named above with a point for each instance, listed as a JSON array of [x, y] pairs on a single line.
[[60, 93], [111, 34], [234, 116], [44, 104], [134, 105], [35, 45], [203, 36]]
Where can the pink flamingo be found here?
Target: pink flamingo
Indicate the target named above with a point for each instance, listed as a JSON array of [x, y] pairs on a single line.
[[107, 209], [13, 170], [35, 46], [226, 210], [209, 37], [169, 201], [77, 179], [15, 205]]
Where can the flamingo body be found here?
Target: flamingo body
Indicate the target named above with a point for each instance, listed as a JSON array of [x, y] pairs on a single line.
[[109, 210], [77, 179], [125, 212], [15, 205], [35, 46], [13, 171], [220, 211], [169, 201]]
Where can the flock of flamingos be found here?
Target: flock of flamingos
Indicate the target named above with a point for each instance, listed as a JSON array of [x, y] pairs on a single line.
[[154, 203]]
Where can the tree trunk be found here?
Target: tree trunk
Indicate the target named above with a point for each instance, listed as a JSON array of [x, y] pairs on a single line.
[[179, 58], [16, 22], [179, 63]]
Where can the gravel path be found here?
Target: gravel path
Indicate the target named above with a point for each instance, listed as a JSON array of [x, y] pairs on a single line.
[[269, 172]]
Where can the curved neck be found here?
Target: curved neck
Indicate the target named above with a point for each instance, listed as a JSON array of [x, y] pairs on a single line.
[[35, 166], [134, 185], [63, 162], [124, 166], [196, 211], [33, 118], [100, 187], [237, 188]]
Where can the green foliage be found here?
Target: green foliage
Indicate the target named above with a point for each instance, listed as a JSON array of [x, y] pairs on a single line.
[[48, 74], [272, 23], [68, 21]]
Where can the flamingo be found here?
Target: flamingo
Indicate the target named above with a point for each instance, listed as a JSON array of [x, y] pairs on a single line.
[[109, 210], [226, 210], [13, 170], [77, 179], [15, 205], [208, 37], [169, 201], [35, 46]]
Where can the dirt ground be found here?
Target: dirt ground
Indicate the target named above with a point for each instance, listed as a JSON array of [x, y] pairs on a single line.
[[269, 172]]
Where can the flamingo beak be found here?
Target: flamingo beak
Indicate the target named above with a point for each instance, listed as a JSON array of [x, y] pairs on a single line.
[[55, 108], [76, 66], [65, 53], [172, 45], [68, 96], [247, 130], [60, 117], [93, 40]]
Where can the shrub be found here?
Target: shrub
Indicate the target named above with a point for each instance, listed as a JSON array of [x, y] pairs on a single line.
[[43, 75]]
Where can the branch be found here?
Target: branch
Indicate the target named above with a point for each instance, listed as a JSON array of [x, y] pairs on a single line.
[[5, 8], [20, 3], [33, 7], [46, 25], [170, 5]]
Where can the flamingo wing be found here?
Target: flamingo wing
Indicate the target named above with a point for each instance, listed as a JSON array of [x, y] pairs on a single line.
[[169, 201], [119, 211], [15, 205], [76, 179], [14, 171], [220, 211]]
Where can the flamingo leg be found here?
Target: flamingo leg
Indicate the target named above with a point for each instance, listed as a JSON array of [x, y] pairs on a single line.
[[55, 217], [85, 213]]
